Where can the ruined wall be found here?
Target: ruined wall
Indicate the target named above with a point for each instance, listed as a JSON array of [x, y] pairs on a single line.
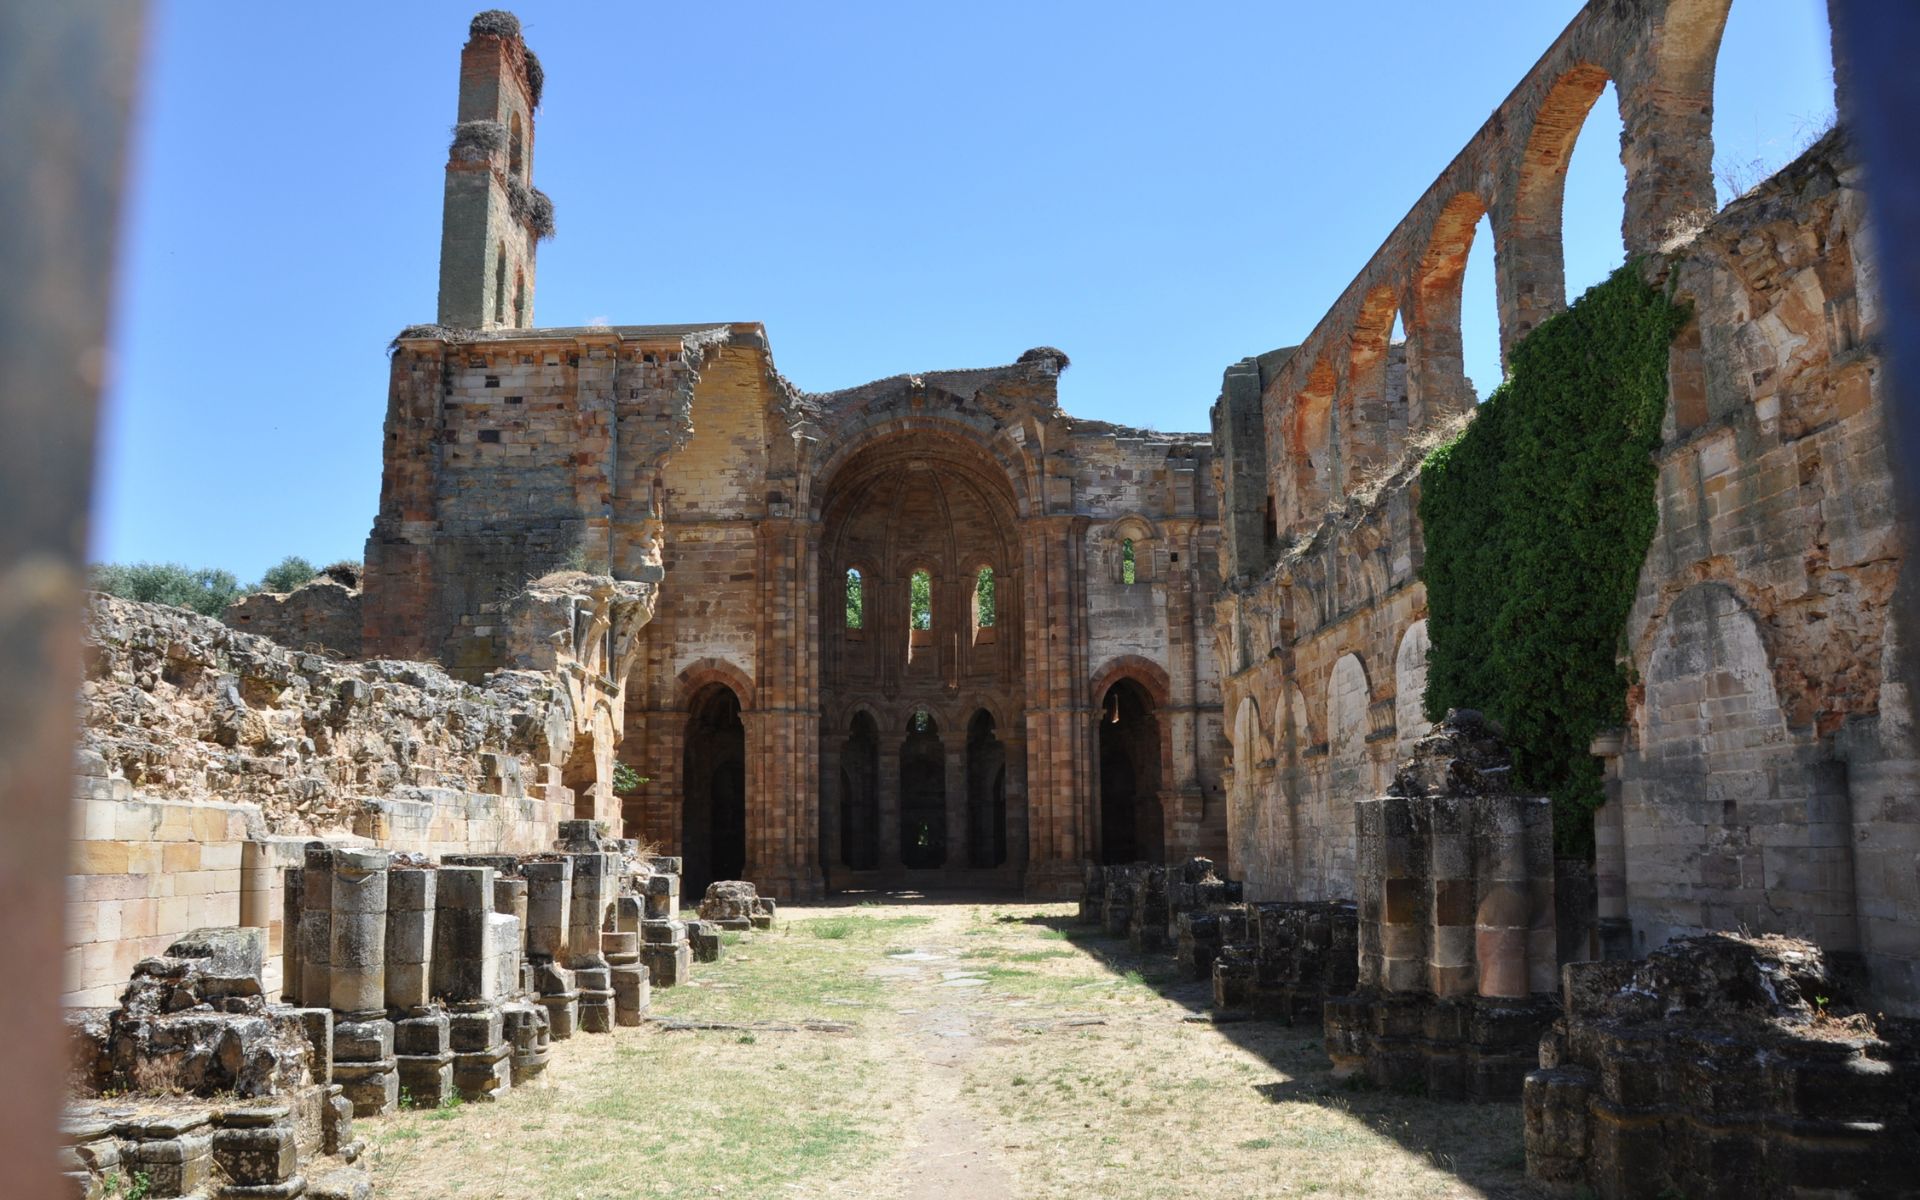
[[1767, 765], [209, 756], [322, 615], [1759, 782]]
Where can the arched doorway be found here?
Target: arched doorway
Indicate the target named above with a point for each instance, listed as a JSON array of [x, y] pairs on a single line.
[[713, 830], [986, 794], [923, 795], [860, 796], [1130, 815]]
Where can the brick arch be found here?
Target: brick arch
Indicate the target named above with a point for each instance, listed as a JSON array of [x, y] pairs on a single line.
[[1437, 367], [1532, 266], [927, 435], [1311, 445], [1143, 671], [699, 674], [1372, 415]]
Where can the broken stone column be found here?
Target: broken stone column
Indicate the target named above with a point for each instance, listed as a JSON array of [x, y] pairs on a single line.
[[316, 927], [470, 943], [729, 903], [1295, 954], [549, 920], [1116, 910], [703, 939], [527, 1031], [255, 1150], [290, 956], [410, 909], [362, 1036], [595, 887], [1147, 923], [1457, 949], [665, 951], [662, 892], [1093, 892]]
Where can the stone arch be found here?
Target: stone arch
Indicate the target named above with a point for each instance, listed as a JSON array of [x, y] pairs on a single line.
[[1532, 262], [1251, 745], [1139, 535], [1717, 757], [986, 792], [713, 781], [696, 675], [1410, 687], [1348, 698], [859, 809], [1437, 377], [1131, 745], [1667, 110], [1311, 446], [1373, 411], [1144, 671]]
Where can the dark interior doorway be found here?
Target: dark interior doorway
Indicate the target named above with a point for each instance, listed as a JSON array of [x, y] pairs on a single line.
[[1129, 737], [923, 795], [986, 793], [860, 795], [713, 830]]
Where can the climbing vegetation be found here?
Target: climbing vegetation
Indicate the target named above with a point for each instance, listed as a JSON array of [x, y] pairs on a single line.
[[1537, 517]]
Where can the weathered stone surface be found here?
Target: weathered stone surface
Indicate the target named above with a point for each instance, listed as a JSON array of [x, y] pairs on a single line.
[[1722, 1066]]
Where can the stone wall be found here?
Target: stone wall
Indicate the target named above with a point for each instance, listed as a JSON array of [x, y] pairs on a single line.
[[1759, 784], [1765, 779], [322, 616], [208, 757]]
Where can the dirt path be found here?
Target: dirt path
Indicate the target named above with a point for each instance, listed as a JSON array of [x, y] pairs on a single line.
[[986, 1051]]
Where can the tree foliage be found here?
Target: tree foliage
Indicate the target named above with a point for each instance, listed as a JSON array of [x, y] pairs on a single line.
[[205, 590], [287, 574], [920, 600], [985, 614], [1536, 519], [856, 600]]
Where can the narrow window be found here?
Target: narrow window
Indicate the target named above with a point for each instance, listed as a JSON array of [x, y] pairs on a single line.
[[856, 600], [500, 285], [983, 614], [1127, 574], [519, 299], [514, 154], [920, 600]]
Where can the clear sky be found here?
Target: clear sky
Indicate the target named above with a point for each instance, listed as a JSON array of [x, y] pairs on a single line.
[[1158, 190]]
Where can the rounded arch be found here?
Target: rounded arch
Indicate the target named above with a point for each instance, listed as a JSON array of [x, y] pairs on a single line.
[[925, 436], [1310, 443], [1373, 411], [1532, 268], [713, 777], [1438, 371], [700, 674], [1410, 687], [1143, 671]]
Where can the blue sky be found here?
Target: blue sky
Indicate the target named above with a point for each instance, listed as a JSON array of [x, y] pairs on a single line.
[[889, 187]]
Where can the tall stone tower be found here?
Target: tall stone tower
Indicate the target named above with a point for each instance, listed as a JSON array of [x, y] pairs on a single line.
[[494, 218]]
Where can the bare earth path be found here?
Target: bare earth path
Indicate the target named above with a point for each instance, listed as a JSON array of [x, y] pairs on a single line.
[[979, 1050]]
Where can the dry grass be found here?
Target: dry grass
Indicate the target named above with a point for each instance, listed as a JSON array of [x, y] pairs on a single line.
[[980, 1032]]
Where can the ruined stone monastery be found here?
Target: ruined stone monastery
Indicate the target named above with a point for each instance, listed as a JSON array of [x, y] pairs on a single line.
[[935, 632]]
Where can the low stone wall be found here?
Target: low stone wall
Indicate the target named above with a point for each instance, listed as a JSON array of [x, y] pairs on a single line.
[[1295, 955], [1722, 1066]]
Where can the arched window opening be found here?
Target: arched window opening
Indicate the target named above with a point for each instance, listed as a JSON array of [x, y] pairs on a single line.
[[986, 793], [1594, 208], [1129, 570], [856, 599], [713, 830], [920, 600], [1271, 531], [1772, 92], [1373, 417], [500, 284], [983, 603], [923, 795], [519, 299], [860, 795], [515, 148], [1129, 749], [1480, 316]]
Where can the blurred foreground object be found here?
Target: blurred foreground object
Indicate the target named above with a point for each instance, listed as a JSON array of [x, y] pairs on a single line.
[[66, 84]]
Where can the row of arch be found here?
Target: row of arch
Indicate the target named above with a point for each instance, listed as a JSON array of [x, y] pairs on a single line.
[[1343, 720], [1392, 356]]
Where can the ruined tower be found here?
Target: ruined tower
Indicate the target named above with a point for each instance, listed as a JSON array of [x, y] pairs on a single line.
[[494, 218]]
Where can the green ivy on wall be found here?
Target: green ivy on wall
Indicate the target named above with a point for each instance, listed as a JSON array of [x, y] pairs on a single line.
[[1536, 518]]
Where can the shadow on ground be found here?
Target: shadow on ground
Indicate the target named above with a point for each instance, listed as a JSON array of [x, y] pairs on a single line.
[[1452, 1135]]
